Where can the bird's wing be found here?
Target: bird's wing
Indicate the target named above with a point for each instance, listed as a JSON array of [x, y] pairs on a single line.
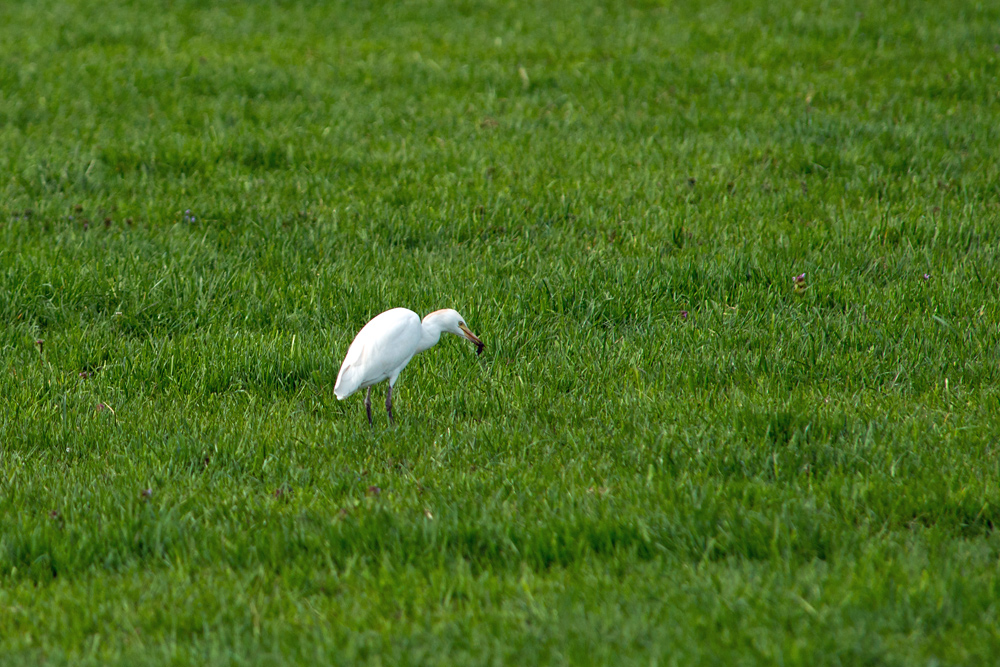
[[384, 345]]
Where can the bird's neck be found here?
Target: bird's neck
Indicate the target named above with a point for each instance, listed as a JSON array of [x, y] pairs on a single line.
[[429, 336]]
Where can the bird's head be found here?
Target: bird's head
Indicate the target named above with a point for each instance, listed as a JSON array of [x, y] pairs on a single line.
[[449, 320]]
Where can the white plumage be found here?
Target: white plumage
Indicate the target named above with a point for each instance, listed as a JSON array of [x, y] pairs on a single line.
[[386, 344]]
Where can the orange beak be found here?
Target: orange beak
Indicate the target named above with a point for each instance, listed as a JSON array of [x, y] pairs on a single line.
[[473, 337]]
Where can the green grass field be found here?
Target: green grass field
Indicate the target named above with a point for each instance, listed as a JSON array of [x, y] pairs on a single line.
[[669, 452]]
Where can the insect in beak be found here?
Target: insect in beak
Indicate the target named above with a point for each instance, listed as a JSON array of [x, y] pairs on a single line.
[[473, 337]]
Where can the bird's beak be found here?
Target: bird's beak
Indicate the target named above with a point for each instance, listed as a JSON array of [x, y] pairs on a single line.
[[473, 337]]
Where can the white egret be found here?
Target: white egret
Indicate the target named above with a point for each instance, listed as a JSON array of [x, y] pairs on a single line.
[[386, 344]]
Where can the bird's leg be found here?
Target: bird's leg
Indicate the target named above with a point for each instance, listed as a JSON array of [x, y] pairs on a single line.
[[368, 405], [388, 405]]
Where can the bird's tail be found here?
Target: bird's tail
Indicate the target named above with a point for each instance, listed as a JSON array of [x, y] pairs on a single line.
[[347, 383]]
